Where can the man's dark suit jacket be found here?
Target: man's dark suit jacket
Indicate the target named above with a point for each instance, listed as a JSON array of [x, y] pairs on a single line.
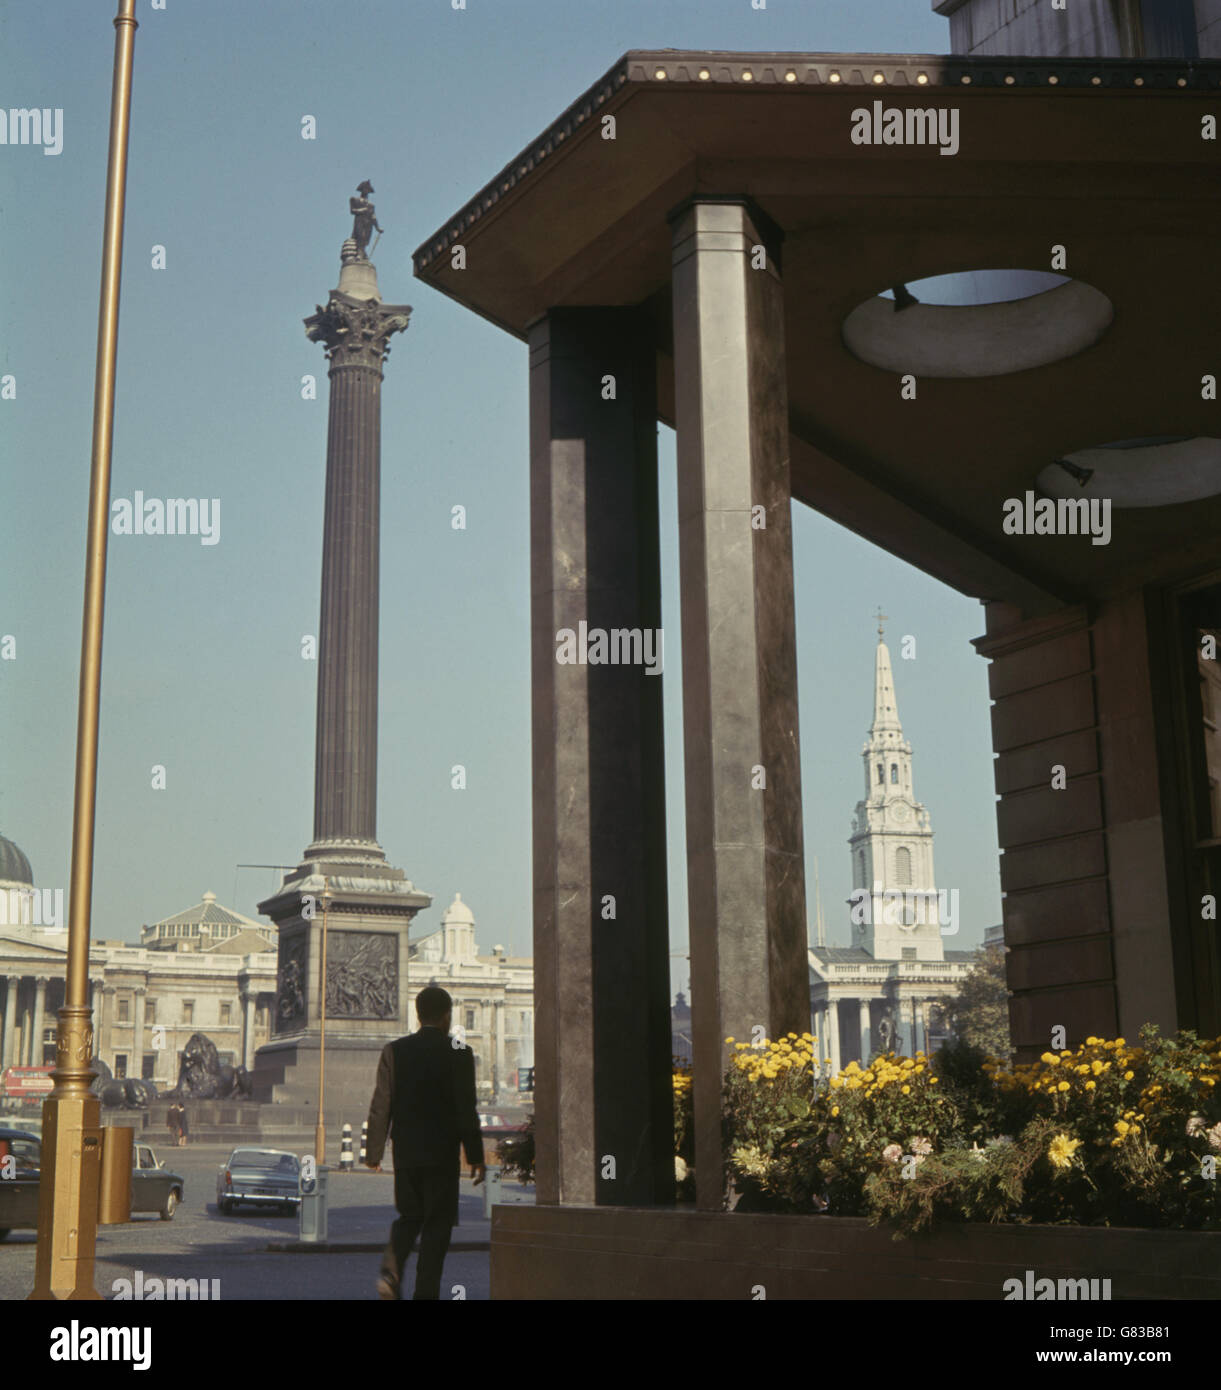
[[425, 1102]]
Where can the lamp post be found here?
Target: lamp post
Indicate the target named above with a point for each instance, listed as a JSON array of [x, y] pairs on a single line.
[[320, 1127], [72, 1137]]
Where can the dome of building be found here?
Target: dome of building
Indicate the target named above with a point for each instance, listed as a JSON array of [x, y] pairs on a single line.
[[457, 914], [14, 866]]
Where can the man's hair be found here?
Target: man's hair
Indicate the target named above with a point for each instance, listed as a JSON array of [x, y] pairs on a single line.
[[432, 1004]]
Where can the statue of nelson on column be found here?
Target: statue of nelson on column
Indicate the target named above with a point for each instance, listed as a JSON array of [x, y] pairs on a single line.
[[364, 219]]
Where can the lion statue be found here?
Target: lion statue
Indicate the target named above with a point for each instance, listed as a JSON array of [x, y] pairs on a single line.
[[128, 1093], [202, 1075]]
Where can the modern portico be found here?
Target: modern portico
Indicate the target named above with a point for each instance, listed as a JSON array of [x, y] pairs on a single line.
[[698, 228]]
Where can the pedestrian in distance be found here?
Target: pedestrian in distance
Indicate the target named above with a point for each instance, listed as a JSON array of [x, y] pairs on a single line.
[[182, 1126], [424, 1102]]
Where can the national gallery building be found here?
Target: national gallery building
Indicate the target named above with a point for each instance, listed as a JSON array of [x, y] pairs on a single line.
[[209, 969]]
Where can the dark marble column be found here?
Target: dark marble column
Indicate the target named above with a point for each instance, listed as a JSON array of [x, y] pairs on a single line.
[[355, 333], [601, 981], [745, 873]]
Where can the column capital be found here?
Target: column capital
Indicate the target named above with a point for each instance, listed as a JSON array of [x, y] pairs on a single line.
[[769, 232], [355, 332]]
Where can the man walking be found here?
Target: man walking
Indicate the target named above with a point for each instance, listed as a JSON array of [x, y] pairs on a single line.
[[425, 1101]]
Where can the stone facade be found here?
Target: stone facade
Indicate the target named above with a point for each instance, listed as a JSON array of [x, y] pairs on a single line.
[[207, 969], [1085, 28], [493, 998]]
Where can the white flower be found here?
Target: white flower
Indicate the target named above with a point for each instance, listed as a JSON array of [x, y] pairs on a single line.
[[680, 1169], [892, 1153]]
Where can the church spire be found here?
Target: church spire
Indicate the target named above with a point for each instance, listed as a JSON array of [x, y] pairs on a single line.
[[885, 706], [892, 838]]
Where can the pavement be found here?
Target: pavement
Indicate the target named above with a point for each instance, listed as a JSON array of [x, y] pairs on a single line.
[[238, 1250]]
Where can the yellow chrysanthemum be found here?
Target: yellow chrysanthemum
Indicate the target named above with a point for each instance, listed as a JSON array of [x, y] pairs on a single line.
[[1061, 1150]]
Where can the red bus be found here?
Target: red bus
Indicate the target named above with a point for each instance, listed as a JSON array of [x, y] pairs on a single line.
[[26, 1083]]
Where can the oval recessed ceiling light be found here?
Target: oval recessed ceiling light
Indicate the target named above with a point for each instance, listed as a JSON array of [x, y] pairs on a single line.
[[1156, 471], [978, 323]]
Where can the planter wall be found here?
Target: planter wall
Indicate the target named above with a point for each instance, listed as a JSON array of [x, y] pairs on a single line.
[[630, 1252]]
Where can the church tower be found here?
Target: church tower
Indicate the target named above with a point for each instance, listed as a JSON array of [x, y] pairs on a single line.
[[894, 907]]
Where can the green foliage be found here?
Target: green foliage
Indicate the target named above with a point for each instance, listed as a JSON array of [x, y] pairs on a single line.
[[978, 1014]]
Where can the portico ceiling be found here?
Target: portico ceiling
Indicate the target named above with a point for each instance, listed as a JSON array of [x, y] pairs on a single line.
[[1103, 158]]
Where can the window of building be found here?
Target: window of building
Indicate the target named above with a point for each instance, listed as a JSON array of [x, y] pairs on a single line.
[[226, 1013], [881, 773], [903, 866], [147, 1065], [120, 1065], [123, 1014], [188, 1011], [909, 952], [894, 772], [470, 1019], [150, 1011]]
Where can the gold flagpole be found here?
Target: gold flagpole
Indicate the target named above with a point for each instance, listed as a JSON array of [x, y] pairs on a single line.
[[71, 1148]]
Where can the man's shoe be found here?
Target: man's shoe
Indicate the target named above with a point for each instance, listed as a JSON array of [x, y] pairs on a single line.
[[387, 1287]]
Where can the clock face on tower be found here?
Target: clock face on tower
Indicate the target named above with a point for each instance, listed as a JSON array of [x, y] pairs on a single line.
[[901, 811]]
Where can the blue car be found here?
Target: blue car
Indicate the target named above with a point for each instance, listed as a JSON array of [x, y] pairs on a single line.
[[260, 1178]]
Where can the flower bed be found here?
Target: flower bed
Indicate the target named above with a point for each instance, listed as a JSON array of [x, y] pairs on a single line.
[[1106, 1134]]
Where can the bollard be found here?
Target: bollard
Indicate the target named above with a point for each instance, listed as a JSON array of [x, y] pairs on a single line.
[[491, 1190], [345, 1150], [364, 1142], [114, 1198]]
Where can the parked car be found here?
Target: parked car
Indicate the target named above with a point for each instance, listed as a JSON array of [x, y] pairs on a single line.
[[153, 1186], [19, 1194], [259, 1177]]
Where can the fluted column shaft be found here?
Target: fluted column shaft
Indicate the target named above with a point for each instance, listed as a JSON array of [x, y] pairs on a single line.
[[345, 776], [355, 333]]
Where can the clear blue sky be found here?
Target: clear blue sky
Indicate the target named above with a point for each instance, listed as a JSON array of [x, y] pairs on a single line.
[[202, 669]]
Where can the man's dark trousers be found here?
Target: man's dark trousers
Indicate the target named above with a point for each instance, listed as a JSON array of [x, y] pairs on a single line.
[[427, 1202]]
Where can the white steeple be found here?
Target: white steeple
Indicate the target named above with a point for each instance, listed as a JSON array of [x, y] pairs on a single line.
[[892, 839]]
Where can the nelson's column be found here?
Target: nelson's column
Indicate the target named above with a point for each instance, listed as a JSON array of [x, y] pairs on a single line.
[[368, 905]]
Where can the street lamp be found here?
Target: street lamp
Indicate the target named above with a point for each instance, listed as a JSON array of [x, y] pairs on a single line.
[[72, 1135], [320, 1127]]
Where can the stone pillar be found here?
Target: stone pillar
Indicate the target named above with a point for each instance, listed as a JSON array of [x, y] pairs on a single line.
[[745, 872], [40, 1014], [833, 1029], [10, 1017], [248, 1003], [498, 1065], [96, 995], [356, 333], [866, 1032], [136, 1065], [911, 1025], [601, 930]]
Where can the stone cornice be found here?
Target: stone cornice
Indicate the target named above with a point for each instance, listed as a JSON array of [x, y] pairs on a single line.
[[905, 73]]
